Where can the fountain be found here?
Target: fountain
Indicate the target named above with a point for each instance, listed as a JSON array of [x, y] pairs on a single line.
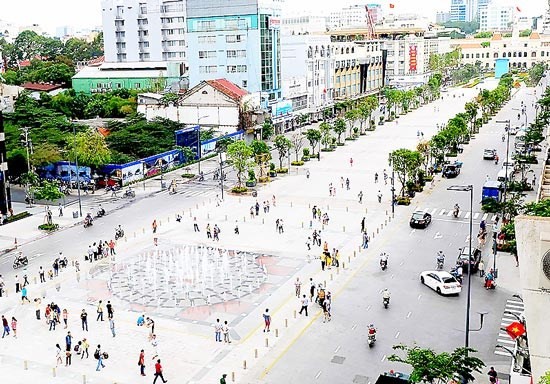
[[186, 275]]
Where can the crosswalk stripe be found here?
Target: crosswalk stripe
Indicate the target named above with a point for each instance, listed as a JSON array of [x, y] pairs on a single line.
[[502, 353], [514, 310], [485, 216], [506, 341], [433, 211], [426, 210], [476, 215], [467, 215], [494, 218], [450, 213], [442, 212]]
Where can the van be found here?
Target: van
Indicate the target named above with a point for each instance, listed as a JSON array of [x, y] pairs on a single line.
[[501, 176]]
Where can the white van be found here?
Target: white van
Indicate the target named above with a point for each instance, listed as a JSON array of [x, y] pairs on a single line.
[[501, 176]]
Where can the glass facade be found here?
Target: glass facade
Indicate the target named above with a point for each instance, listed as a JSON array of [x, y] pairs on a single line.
[[270, 43]]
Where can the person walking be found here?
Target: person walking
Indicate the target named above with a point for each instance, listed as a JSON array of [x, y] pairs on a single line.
[[98, 355], [365, 240], [84, 320], [311, 288], [481, 268], [218, 330], [85, 347], [158, 372], [14, 326], [376, 178], [110, 310], [68, 341], [41, 274], [58, 358], [298, 286], [37, 305], [65, 316], [68, 358], [195, 225], [225, 331], [267, 320], [305, 303], [24, 295], [112, 326], [222, 380], [141, 362], [379, 196], [154, 225], [112, 247], [351, 162], [363, 222], [99, 311], [360, 197]]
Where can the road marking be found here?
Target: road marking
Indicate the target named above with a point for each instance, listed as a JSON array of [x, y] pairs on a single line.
[[502, 353], [397, 335], [318, 374], [354, 326], [476, 215], [402, 262], [433, 211], [368, 308], [441, 212], [438, 235], [485, 216], [450, 213], [467, 215], [409, 314], [337, 349], [383, 358], [419, 296], [412, 231], [392, 276]]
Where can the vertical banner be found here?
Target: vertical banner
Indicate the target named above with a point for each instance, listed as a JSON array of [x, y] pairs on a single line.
[[412, 58]]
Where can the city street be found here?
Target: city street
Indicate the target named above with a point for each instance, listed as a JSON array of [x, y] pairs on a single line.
[[298, 349]]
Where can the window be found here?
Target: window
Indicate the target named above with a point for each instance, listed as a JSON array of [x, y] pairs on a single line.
[[207, 54], [144, 44], [231, 69], [533, 54], [120, 45], [234, 38], [137, 85], [208, 69], [241, 68], [169, 55], [245, 83], [206, 25], [467, 55], [541, 53], [206, 39], [120, 34], [231, 54]]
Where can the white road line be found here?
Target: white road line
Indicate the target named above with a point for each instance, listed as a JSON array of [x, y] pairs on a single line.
[[354, 326], [442, 212], [397, 335], [502, 353], [409, 314], [476, 215], [419, 296], [383, 358], [467, 215], [506, 341], [485, 216], [433, 211], [514, 311], [450, 213], [494, 218], [515, 306], [318, 374], [402, 262], [337, 349], [426, 210], [412, 231], [368, 308]]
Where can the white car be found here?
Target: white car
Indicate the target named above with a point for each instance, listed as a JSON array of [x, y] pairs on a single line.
[[440, 281]]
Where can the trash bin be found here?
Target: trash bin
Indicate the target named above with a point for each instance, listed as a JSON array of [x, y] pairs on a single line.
[[162, 185], [254, 194], [75, 214]]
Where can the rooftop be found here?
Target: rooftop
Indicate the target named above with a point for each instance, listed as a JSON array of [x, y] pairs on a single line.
[[41, 87], [228, 88]]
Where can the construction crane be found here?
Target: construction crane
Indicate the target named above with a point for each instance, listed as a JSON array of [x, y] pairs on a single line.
[[370, 24]]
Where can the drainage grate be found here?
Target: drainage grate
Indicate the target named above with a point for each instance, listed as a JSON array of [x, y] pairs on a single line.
[[359, 379], [338, 359]]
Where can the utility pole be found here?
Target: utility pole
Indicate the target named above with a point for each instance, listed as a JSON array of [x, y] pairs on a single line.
[[5, 194], [28, 146], [507, 122], [77, 171], [222, 159]]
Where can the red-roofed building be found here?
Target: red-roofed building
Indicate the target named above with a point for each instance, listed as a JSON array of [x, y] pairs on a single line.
[[37, 88], [212, 103]]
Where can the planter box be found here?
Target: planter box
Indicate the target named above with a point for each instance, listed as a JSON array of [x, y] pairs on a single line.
[[250, 183], [272, 174], [305, 158]]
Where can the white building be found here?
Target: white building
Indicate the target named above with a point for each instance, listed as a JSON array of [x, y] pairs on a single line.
[[144, 30], [299, 25], [463, 10], [442, 17], [355, 16], [496, 17], [307, 72]]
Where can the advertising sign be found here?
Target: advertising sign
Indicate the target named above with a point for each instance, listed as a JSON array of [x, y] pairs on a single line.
[[412, 58], [273, 23]]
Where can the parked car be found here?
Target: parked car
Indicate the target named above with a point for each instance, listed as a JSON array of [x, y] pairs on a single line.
[[420, 219], [440, 281], [450, 171], [489, 154]]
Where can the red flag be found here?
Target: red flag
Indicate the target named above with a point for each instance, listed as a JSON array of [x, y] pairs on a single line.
[[519, 10], [392, 5], [515, 330]]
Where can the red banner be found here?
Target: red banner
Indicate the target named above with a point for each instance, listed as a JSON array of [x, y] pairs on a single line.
[[412, 58]]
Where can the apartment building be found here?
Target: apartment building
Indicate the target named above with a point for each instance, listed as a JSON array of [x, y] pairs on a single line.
[[355, 16], [144, 30], [496, 17]]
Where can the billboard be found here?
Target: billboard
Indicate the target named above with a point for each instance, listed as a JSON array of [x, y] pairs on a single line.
[[412, 58], [273, 22]]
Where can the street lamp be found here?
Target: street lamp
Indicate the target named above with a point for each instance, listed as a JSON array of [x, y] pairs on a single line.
[[199, 149], [507, 122], [77, 170], [467, 188], [222, 159]]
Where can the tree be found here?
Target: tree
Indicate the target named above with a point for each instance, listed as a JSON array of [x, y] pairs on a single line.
[[431, 367], [267, 130], [48, 190], [313, 136], [325, 128], [90, 148], [189, 154], [283, 146], [339, 127], [405, 163], [297, 140], [471, 109], [239, 153], [44, 154], [259, 148], [365, 109], [545, 379], [222, 143], [424, 149], [351, 117]]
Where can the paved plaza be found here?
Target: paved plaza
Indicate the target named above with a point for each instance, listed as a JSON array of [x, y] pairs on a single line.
[[187, 281]]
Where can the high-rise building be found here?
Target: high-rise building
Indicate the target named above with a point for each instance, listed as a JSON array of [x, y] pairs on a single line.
[[237, 40], [144, 30], [442, 17], [463, 10], [355, 16], [496, 17]]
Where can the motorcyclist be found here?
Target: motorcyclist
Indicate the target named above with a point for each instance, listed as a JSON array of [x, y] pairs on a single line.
[[372, 330], [100, 211], [383, 259], [119, 231], [201, 176], [386, 294], [88, 219], [503, 137]]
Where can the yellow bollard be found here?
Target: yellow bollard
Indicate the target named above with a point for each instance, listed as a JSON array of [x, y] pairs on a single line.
[[286, 323], [343, 265], [25, 365], [266, 342], [263, 221], [53, 372], [244, 364], [256, 353]]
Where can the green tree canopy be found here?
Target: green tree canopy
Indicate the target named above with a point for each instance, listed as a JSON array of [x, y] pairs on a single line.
[[313, 136], [239, 153], [283, 146], [339, 127], [90, 148]]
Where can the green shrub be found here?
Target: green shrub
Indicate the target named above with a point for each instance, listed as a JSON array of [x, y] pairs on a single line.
[[281, 170], [297, 163], [48, 227], [263, 179], [188, 175], [239, 189], [403, 200], [18, 216], [306, 151]]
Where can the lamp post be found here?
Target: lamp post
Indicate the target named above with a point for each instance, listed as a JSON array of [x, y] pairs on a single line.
[[467, 188], [506, 162], [5, 190], [222, 159], [199, 149], [77, 171]]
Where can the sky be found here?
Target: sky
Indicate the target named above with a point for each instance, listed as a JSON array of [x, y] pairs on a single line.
[[87, 13]]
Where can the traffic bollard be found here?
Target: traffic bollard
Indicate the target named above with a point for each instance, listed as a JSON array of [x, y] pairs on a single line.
[[343, 265], [302, 224], [134, 235], [344, 228], [338, 270], [325, 283], [266, 342], [239, 200], [25, 365], [347, 209], [244, 364], [276, 332], [377, 230], [225, 217], [196, 206], [263, 221], [328, 208], [35, 280], [286, 323], [354, 254], [291, 204], [168, 219], [53, 372], [142, 230], [244, 219], [331, 277], [233, 376], [349, 259], [294, 313], [256, 353], [208, 215]]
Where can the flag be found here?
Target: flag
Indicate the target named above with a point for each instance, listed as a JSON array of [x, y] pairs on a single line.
[[517, 9], [515, 330], [392, 5]]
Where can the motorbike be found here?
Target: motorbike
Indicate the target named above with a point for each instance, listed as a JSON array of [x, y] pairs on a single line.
[[100, 212], [111, 188], [454, 272], [201, 176], [386, 302], [490, 284], [371, 339], [88, 222], [119, 233], [130, 193], [440, 263], [383, 264], [455, 212], [20, 262]]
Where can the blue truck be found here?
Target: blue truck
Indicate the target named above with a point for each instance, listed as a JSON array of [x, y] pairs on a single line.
[[491, 190]]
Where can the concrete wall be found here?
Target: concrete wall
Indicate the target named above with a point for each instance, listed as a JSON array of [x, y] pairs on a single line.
[[533, 243]]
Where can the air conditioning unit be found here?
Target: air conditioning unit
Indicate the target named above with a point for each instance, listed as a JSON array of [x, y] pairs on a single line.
[[353, 63], [347, 63], [337, 65]]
